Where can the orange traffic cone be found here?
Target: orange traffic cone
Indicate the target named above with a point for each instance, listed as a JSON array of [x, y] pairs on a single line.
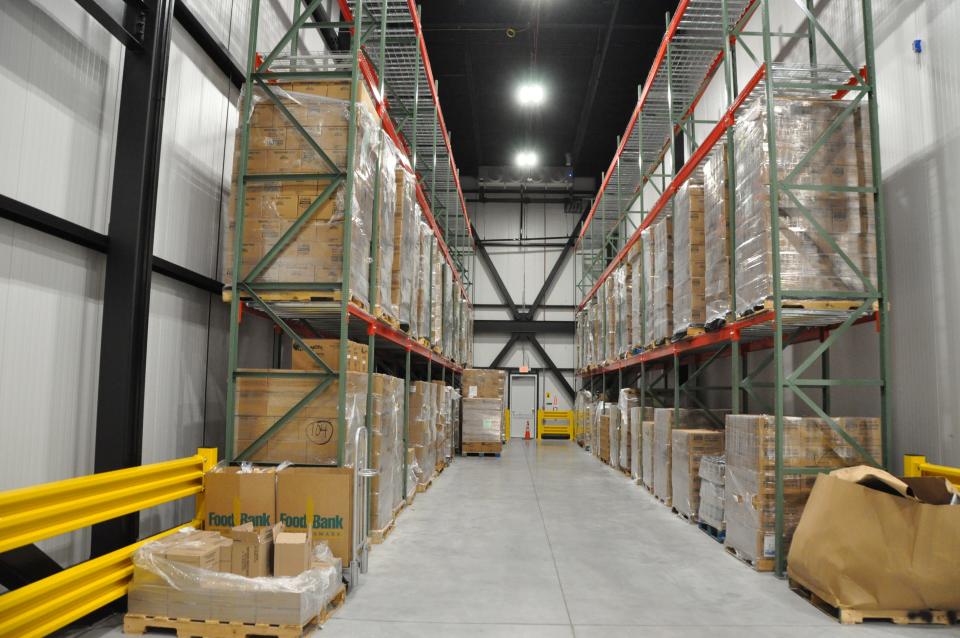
[[526, 435]]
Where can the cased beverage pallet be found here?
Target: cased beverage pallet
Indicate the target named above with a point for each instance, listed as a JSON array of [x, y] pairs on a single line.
[[188, 628], [482, 449], [759, 564], [858, 616]]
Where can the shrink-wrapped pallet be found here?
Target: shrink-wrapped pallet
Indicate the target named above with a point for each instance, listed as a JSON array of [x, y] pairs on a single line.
[[447, 329], [719, 303], [664, 425], [646, 453], [482, 420], [750, 480], [662, 279], [688, 257], [422, 428], [610, 310], [622, 284], [383, 304], [712, 471], [406, 254], [689, 447], [436, 293], [627, 404], [808, 262], [636, 293], [386, 448], [314, 253], [423, 281]]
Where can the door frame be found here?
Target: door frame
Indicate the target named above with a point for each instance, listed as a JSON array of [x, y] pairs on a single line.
[[536, 398]]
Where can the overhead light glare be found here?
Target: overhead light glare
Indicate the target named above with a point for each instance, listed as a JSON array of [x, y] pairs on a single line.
[[526, 159], [531, 94]]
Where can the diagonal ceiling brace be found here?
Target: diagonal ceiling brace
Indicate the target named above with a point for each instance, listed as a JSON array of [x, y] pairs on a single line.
[[554, 371], [495, 276], [558, 266]]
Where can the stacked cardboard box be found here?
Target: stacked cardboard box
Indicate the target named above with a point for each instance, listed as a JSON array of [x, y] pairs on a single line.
[[712, 472], [482, 421], [447, 308], [436, 292], [445, 421], [315, 253], [689, 447], [614, 436], [664, 425], [406, 254], [329, 352], [662, 279], [807, 260], [646, 453], [310, 436], [610, 310], [423, 281], [386, 445], [483, 383], [689, 298], [604, 419], [719, 303], [422, 428], [637, 417], [623, 282], [627, 405], [750, 481], [238, 495], [635, 293], [386, 246]]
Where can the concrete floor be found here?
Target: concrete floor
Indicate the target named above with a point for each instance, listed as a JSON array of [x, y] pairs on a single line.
[[547, 542]]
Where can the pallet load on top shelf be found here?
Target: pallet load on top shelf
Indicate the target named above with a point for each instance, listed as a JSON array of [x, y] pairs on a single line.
[[423, 283], [807, 260], [406, 239], [689, 313], [622, 288], [712, 472], [314, 254], [447, 326], [436, 294], [662, 280], [719, 303], [662, 453], [750, 481], [689, 447], [635, 294], [383, 305]]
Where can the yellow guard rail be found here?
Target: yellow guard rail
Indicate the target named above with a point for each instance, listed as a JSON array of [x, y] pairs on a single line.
[[916, 465], [554, 430], [36, 513]]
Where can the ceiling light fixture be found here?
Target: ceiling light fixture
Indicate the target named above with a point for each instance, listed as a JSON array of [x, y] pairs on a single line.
[[526, 159], [531, 94]]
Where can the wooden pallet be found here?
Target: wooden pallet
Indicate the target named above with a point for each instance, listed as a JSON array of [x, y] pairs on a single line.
[[377, 536], [423, 487], [690, 331], [302, 296], [189, 628], [718, 535], [424, 342], [823, 305], [482, 448], [387, 318], [858, 616], [759, 564]]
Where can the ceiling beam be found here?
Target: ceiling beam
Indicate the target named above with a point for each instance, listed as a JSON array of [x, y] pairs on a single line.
[[599, 58]]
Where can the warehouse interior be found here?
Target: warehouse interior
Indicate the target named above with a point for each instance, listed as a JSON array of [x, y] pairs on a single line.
[[503, 318]]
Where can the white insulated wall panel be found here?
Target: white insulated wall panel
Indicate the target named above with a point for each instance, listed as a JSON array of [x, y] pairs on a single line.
[[50, 320], [196, 137], [59, 82]]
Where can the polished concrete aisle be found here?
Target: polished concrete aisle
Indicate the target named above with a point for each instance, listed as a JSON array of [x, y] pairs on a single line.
[[547, 542]]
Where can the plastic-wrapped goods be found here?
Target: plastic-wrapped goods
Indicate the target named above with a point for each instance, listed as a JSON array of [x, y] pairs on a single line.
[[165, 586], [662, 279], [406, 240], [648, 264], [582, 405], [712, 471], [689, 447], [646, 453], [315, 252], [807, 260], [615, 425], [622, 285], [483, 383], [604, 420], [689, 260], [386, 246], [635, 293], [750, 480], [311, 434], [422, 428], [423, 281], [436, 293], [636, 441], [717, 238], [662, 453], [627, 400], [386, 445], [447, 310], [482, 420]]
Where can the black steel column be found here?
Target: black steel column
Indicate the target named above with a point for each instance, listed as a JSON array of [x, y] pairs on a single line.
[[126, 297]]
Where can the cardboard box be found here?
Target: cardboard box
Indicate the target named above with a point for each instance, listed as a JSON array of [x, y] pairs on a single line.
[[232, 497], [251, 553], [483, 384], [291, 553], [482, 420], [689, 447], [869, 541], [646, 454], [201, 556], [319, 499], [664, 426], [329, 351]]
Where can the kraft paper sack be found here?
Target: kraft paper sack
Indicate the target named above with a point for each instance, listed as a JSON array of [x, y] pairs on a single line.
[[867, 542]]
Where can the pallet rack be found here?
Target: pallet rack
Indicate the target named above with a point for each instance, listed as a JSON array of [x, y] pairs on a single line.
[[703, 38], [386, 52]]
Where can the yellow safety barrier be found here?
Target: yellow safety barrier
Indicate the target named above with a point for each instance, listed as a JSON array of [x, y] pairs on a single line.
[[35, 513], [506, 418], [554, 430], [916, 465]]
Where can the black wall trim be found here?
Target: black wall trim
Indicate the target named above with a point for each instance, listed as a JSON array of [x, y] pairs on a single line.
[[220, 56], [37, 219], [184, 275], [505, 326]]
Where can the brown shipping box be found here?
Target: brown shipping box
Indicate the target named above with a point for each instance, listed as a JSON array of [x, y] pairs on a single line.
[[663, 419], [689, 446], [310, 436], [252, 550], [329, 352], [483, 384], [866, 543], [232, 497], [646, 454], [291, 553], [321, 499]]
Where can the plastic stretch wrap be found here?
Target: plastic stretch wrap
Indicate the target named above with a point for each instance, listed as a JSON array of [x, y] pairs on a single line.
[[310, 435], [689, 259], [610, 309], [646, 453], [413, 474], [406, 239], [482, 420], [444, 406], [423, 282], [387, 449], [582, 407], [750, 479], [621, 291], [604, 420], [807, 260], [628, 399], [422, 428], [190, 591], [447, 310], [436, 292], [315, 252], [636, 443], [593, 329], [615, 425], [387, 217], [689, 447], [635, 293], [717, 244], [662, 456], [662, 320], [712, 471]]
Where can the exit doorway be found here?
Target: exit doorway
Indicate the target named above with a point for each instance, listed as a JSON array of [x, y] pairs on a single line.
[[523, 405]]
